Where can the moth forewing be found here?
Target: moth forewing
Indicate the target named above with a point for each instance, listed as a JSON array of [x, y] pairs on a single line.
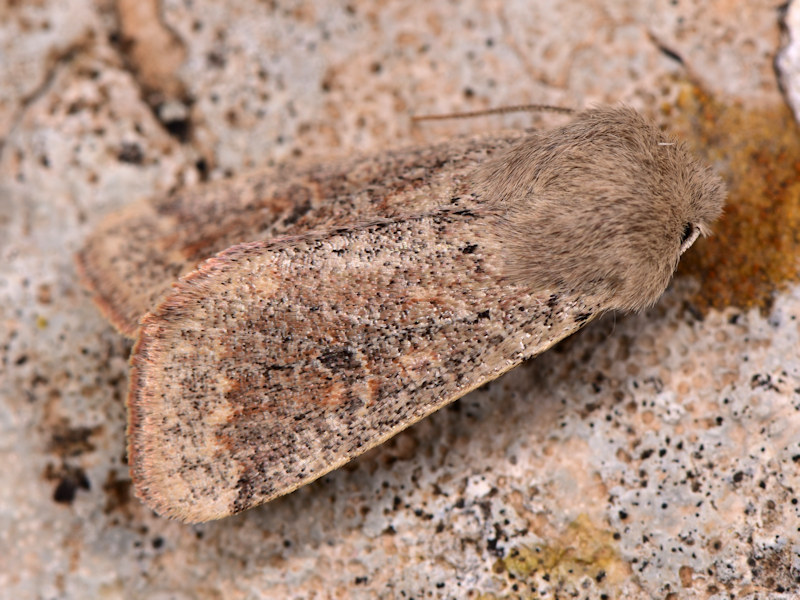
[[277, 362], [132, 259]]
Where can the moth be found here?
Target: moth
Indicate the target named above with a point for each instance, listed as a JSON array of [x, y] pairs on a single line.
[[289, 320]]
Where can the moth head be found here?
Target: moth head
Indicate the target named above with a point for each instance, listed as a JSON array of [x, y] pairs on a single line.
[[601, 207]]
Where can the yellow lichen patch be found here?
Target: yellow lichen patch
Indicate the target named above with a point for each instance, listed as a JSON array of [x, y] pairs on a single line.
[[583, 550], [755, 249]]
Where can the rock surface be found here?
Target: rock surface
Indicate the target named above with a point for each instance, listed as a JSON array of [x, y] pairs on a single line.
[[649, 456]]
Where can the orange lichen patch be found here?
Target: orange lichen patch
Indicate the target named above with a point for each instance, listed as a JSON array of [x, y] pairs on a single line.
[[755, 249]]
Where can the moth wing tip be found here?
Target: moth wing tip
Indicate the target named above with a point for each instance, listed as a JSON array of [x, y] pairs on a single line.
[[159, 499], [178, 477], [91, 278]]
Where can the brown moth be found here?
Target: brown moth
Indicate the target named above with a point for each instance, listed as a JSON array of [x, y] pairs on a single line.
[[379, 290]]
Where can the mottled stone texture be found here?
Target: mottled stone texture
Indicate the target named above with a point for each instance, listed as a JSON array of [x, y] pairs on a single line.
[[649, 456]]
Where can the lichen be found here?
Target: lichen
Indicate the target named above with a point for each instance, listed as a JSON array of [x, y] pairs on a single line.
[[755, 249], [583, 551]]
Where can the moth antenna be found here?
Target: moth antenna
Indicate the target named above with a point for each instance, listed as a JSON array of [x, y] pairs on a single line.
[[497, 111]]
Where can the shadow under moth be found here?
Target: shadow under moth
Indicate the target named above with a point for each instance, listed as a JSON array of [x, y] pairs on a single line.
[[290, 320]]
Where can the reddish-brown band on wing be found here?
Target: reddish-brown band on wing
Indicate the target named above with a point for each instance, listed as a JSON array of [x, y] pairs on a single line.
[[277, 362], [131, 260]]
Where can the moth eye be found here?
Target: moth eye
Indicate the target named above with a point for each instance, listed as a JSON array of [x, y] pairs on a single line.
[[689, 235]]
